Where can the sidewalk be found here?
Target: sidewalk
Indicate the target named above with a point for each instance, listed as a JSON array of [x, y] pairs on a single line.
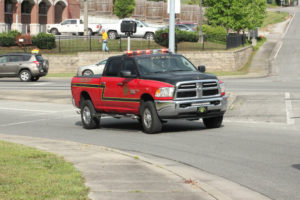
[[112, 175]]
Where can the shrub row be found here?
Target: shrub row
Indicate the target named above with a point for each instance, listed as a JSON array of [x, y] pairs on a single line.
[[42, 40], [8, 38], [214, 33], [180, 36]]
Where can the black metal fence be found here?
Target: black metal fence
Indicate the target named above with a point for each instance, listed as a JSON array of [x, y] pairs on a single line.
[[235, 40], [74, 44]]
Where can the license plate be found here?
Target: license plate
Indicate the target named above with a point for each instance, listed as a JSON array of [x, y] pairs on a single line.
[[201, 109]]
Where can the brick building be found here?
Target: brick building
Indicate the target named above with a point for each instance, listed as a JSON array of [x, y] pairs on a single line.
[[34, 15]]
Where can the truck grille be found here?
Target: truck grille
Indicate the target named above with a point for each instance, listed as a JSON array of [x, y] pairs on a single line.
[[197, 89]]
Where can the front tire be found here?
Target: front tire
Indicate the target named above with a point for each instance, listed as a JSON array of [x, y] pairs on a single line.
[[87, 73], [149, 118], [213, 122], [88, 118], [25, 75]]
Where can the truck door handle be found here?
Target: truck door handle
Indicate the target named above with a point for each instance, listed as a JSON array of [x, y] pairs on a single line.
[[120, 84]]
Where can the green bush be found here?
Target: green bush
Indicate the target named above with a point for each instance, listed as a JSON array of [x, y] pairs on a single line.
[[9, 38], [214, 33], [44, 41], [180, 36]]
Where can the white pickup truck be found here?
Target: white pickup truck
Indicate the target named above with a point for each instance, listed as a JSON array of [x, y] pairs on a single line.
[[74, 26], [143, 30]]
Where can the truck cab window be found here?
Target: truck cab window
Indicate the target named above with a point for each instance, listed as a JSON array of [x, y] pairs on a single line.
[[113, 67], [130, 66], [66, 22]]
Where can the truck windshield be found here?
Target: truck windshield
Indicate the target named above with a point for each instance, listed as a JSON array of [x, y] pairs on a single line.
[[145, 24], [163, 63]]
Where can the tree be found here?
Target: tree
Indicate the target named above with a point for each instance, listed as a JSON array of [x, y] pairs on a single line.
[[124, 8], [237, 15]]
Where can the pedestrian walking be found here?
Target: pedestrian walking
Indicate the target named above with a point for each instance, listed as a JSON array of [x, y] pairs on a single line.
[[104, 41]]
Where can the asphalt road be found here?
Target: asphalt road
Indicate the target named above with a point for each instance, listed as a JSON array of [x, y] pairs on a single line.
[[263, 157]]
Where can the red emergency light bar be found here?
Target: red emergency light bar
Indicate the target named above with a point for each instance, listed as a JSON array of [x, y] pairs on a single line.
[[148, 51]]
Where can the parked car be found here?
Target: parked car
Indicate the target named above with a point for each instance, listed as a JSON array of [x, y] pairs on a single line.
[[26, 66], [74, 26], [90, 70], [143, 30], [180, 27], [191, 25]]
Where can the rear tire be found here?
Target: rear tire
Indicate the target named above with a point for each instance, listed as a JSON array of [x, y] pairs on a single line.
[[112, 35], [149, 118], [25, 75], [213, 122], [54, 31], [149, 36], [88, 118], [90, 32]]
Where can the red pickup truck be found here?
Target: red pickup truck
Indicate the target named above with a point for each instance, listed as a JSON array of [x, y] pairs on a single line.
[[151, 86]]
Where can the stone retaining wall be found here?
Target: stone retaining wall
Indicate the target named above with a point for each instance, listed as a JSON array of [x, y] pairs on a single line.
[[213, 60]]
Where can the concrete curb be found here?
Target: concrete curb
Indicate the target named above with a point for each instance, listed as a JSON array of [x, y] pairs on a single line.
[[210, 187]]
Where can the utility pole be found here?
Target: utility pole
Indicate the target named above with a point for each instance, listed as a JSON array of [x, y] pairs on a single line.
[[85, 17], [172, 26], [200, 24]]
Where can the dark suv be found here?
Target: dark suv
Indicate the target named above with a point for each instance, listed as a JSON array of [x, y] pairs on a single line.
[[26, 66]]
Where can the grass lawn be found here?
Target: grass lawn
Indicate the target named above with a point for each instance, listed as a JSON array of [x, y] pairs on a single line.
[[61, 75], [274, 18], [26, 173]]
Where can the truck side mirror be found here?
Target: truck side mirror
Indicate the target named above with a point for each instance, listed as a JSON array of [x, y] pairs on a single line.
[[202, 68], [127, 74]]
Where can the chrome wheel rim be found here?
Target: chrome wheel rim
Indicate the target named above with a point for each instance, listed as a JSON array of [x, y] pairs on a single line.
[[112, 35], [147, 118], [150, 37], [24, 76], [86, 115]]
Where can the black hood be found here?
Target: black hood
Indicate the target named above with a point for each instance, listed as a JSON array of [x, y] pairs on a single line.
[[174, 77]]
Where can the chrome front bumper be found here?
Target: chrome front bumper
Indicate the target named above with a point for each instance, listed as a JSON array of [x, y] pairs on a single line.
[[190, 108]]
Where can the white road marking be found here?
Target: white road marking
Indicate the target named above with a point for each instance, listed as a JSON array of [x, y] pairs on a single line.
[[29, 110], [24, 122], [289, 109], [278, 50], [37, 120], [37, 84], [289, 24]]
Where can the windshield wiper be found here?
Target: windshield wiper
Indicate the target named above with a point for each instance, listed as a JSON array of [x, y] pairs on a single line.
[[179, 70], [159, 72]]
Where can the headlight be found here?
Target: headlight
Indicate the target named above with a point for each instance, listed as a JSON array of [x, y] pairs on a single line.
[[165, 92]]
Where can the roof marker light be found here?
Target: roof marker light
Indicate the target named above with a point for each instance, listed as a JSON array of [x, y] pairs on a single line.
[[139, 52], [164, 50], [129, 52]]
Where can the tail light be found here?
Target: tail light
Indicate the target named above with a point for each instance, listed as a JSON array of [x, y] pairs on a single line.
[[37, 63], [97, 26], [222, 87]]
